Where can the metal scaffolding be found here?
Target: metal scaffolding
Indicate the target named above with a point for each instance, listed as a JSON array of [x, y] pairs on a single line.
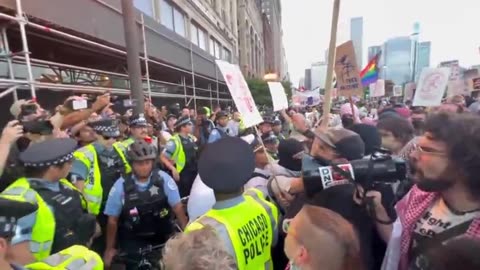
[[11, 84]]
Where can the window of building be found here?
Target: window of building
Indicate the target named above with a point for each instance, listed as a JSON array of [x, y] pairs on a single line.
[[172, 17], [197, 36], [179, 22], [215, 48], [202, 39], [145, 6], [166, 16], [227, 55]]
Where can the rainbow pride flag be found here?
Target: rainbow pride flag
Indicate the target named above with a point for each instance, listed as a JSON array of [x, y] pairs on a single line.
[[370, 73]]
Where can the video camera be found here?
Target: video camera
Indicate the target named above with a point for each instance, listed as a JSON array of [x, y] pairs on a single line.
[[381, 167]]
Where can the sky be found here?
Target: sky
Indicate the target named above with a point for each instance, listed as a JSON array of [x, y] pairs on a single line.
[[453, 27]]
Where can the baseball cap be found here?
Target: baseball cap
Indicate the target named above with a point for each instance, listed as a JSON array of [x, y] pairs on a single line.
[[346, 142], [16, 107]]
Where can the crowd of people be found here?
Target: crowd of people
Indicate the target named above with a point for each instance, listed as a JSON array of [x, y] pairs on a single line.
[[101, 187]]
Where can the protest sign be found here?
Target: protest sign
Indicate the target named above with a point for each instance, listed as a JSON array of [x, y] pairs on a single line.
[[279, 98], [397, 91], [240, 93], [346, 69], [306, 98], [377, 89], [409, 90], [455, 84], [474, 84], [431, 87]]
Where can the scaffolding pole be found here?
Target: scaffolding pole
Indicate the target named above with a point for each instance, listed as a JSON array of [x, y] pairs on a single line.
[[8, 91], [184, 83], [145, 52], [193, 78], [22, 22], [211, 101], [6, 47], [216, 77]]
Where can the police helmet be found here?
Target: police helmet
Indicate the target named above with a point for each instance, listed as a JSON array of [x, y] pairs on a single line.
[[142, 150]]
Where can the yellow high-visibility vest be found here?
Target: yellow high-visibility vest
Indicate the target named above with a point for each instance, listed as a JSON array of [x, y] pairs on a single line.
[[179, 155], [93, 190], [43, 231], [250, 226], [75, 257]]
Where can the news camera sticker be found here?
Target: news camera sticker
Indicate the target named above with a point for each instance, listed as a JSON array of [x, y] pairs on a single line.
[[332, 178]]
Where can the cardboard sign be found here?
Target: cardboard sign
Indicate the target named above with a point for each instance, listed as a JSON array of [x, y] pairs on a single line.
[[279, 98], [455, 84], [377, 89], [349, 82], [431, 87], [240, 92], [474, 84], [397, 91], [409, 90]]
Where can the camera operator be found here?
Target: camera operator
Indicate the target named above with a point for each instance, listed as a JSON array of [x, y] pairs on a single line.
[[445, 203], [203, 126]]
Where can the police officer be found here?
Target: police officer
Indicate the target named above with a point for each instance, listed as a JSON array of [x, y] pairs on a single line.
[[277, 129], [139, 206], [62, 219], [75, 257], [138, 128], [246, 222], [180, 155], [221, 131], [270, 140], [266, 126], [96, 168], [10, 212]]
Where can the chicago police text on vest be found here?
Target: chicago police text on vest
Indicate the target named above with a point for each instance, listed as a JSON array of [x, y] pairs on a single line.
[[254, 237]]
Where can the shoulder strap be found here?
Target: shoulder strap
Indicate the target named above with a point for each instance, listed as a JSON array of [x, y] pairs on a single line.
[[128, 184], [257, 174]]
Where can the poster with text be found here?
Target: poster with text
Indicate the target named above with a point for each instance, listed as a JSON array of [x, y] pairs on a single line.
[[377, 89], [474, 84], [397, 91], [431, 87], [409, 90], [347, 72], [279, 98], [306, 98], [456, 85], [240, 92]]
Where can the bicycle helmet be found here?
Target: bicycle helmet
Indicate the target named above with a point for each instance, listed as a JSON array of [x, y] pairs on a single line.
[[142, 150]]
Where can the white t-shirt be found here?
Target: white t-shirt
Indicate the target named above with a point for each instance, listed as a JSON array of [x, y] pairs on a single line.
[[437, 225]]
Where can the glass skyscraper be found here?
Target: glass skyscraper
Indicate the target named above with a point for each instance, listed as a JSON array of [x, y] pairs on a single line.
[[423, 57], [397, 58], [356, 35]]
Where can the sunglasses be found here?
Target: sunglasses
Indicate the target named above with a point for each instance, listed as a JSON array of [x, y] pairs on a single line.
[[109, 138]]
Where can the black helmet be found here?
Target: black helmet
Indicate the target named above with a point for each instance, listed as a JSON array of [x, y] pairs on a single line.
[[142, 150]]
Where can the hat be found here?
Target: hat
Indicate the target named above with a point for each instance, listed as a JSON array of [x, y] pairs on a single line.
[[48, 153], [346, 142], [277, 122], [138, 120], [10, 212], [267, 119], [370, 137], [269, 138], [106, 127], [182, 121], [170, 116], [221, 114], [16, 107], [226, 165], [290, 154]]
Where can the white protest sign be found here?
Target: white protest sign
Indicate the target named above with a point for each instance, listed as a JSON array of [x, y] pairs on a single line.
[[409, 89], [431, 87], [397, 91], [455, 85], [306, 98], [240, 92], [279, 98], [377, 89]]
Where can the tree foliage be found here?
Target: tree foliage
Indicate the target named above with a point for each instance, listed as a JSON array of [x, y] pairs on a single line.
[[261, 93]]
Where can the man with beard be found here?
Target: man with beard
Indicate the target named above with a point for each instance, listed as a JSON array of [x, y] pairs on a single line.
[[445, 202]]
